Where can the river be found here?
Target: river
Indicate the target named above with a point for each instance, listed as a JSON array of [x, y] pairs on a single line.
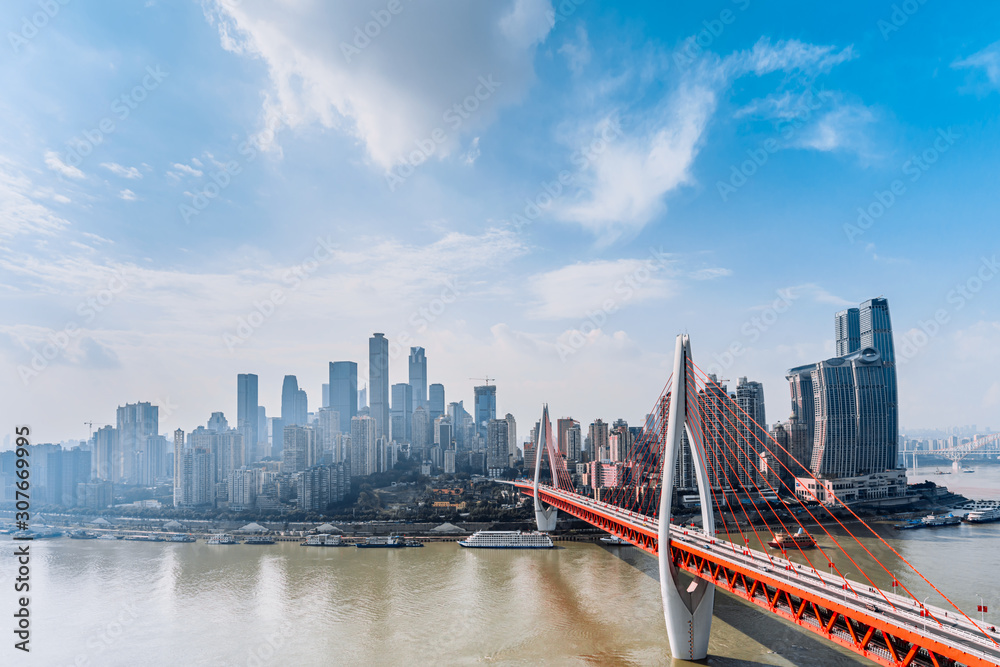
[[97, 602]]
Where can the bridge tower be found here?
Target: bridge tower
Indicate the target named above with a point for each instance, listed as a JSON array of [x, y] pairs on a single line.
[[545, 517], [687, 610]]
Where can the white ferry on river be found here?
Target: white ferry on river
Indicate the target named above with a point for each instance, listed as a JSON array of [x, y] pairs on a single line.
[[507, 539]]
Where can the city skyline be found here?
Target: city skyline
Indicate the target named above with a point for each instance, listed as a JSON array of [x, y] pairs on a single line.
[[515, 242]]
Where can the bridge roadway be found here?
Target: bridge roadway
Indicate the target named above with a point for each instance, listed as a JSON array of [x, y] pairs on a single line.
[[949, 629]]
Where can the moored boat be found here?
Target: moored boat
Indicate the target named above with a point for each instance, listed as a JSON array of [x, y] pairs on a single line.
[[986, 515], [325, 541], [391, 542], [222, 538], [616, 541], [507, 539], [182, 538]]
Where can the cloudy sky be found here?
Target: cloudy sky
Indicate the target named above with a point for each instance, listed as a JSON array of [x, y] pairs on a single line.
[[543, 192]]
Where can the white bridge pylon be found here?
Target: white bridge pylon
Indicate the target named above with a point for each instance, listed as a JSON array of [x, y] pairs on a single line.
[[687, 610], [545, 517]]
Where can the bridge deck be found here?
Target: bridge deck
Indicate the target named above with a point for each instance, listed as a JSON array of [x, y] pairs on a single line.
[[756, 572]]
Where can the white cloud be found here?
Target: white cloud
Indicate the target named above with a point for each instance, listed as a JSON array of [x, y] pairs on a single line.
[[471, 155], [623, 188], [185, 169], [572, 291], [20, 212], [842, 128], [119, 170], [985, 62], [55, 163], [577, 53], [394, 88], [127, 195]]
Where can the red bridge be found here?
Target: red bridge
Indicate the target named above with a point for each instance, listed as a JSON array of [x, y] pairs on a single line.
[[740, 472]]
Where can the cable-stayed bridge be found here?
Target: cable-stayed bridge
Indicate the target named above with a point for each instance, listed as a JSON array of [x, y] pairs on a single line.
[[740, 471]]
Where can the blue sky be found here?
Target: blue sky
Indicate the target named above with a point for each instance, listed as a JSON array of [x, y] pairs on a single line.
[[613, 174]]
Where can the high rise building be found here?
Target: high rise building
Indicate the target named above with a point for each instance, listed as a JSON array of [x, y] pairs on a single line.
[[179, 499], [344, 391], [752, 439], [847, 329], [136, 421], [247, 412], [511, 437], [260, 448], [328, 434], [574, 442], [497, 446], [418, 377], [443, 431], [846, 408], [401, 413], [436, 400], [485, 407], [326, 395], [218, 422], [363, 440], [562, 425], [378, 377], [243, 484], [300, 448], [422, 428], [104, 449], [598, 433]]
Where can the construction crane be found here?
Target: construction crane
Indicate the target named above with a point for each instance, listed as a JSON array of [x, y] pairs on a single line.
[[486, 379], [91, 425]]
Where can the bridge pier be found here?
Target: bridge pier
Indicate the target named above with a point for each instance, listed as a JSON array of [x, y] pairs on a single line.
[[545, 517], [687, 610]]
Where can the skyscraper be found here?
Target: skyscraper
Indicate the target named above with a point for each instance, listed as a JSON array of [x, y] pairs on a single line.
[[598, 433], [497, 446], [136, 421], [247, 417], [344, 391], [751, 436], [845, 408], [104, 452], [378, 377], [574, 442], [485, 407], [436, 400], [418, 377], [511, 437], [847, 329], [363, 441], [299, 450], [401, 414]]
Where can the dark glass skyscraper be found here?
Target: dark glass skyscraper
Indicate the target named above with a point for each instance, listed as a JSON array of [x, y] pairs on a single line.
[[246, 412], [418, 377], [849, 403], [436, 401], [847, 325], [485, 408], [344, 391], [401, 415], [378, 381]]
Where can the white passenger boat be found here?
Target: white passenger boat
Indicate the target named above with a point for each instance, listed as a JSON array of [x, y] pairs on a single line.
[[507, 539]]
